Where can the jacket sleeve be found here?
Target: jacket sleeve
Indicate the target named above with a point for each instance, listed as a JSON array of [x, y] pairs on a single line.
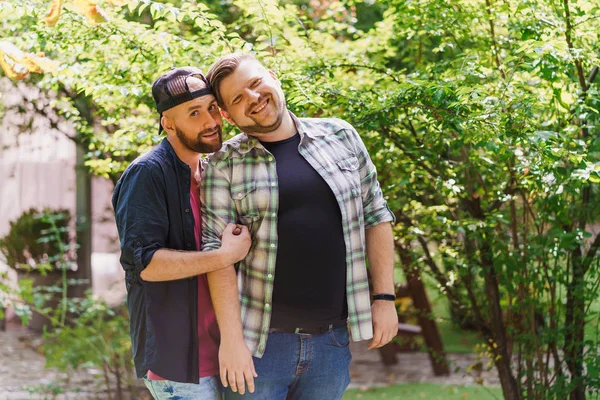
[[141, 214]]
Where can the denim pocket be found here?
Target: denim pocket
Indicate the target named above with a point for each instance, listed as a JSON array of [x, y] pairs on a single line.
[[340, 336]]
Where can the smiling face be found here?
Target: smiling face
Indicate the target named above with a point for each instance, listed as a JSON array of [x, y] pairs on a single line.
[[252, 99], [196, 124]]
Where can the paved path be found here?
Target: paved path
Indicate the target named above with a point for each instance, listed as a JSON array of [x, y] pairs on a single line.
[[367, 370], [23, 376]]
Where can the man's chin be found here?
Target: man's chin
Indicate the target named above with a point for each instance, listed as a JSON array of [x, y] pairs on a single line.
[[212, 147], [261, 129], [205, 148]]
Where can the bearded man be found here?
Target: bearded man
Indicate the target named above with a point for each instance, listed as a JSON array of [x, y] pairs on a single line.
[[174, 332]]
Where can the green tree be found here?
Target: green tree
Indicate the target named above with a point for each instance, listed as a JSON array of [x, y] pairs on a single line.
[[481, 116]]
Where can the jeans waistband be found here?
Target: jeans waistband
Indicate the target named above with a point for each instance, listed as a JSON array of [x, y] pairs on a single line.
[[310, 331]]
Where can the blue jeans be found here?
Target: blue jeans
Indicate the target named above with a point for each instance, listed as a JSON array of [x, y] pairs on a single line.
[[301, 367], [209, 388]]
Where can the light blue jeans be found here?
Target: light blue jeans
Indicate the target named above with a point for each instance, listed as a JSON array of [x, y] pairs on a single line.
[[299, 366], [209, 388]]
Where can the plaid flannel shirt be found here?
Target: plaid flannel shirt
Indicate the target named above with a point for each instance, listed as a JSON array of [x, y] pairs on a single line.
[[239, 185]]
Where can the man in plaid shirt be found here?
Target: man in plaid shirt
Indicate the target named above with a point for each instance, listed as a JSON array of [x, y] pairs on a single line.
[[307, 190]]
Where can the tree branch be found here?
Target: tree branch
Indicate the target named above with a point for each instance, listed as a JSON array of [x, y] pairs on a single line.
[[363, 66]]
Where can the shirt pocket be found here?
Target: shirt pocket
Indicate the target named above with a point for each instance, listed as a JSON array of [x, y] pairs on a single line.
[[246, 206], [247, 197], [349, 179]]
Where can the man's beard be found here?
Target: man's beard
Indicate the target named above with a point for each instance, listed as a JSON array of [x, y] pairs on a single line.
[[258, 129], [198, 145]]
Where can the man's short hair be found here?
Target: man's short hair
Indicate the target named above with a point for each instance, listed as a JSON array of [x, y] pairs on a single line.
[[221, 69]]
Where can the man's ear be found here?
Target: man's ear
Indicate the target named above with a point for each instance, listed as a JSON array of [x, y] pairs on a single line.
[[167, 123], [227, 117]]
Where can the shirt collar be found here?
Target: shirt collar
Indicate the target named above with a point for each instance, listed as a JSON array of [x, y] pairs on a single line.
[[244, 143], [166, 145], [304, 128]]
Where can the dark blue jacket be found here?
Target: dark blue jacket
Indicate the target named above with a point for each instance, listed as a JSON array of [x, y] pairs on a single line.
[[152, 210]]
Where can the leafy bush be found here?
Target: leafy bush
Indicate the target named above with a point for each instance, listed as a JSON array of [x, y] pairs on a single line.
[[99, 338], [28, 247], [82, 332]]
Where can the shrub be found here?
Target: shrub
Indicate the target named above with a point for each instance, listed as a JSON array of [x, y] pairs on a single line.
[[33, 245]]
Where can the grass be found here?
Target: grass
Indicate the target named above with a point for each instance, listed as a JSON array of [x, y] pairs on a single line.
[[429, 391], [455, 339]]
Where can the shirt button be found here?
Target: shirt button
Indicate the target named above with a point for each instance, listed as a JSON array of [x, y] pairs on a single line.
[[272, 244], [270, 158], [274, 215], [187, 210], [189, 244], [267, 306], [240, 195], [273, 184], [270, 276]]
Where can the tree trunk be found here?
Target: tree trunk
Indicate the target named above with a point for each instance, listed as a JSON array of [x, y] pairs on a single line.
[[431, 334], [575, 323], [83, 181], [84, 225], [502, 360]]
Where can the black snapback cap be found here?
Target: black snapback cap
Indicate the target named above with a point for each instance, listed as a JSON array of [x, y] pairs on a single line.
[[171, 89]]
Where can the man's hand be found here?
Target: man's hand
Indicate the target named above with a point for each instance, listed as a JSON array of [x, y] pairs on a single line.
[[235, 243], [236, 365], [385, 323]]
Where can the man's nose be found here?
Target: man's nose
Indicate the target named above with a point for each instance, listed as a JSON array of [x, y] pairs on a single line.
[[209, 123], [252, 95]]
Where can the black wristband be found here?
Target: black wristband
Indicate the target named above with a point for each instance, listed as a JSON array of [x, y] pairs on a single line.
[[384, 296]]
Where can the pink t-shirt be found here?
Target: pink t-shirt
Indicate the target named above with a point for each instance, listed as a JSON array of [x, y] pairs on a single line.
[[208, 330]]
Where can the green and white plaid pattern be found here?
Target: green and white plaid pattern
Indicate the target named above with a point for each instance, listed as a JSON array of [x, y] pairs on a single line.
[[239, 185]]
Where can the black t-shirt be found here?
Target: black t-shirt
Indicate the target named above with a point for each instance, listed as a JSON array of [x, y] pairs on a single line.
[[310, 273]]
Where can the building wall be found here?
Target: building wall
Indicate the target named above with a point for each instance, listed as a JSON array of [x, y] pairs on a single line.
[[37, 169]]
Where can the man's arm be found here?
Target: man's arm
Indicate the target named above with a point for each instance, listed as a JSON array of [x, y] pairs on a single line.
[[142, 220], [168, 265], [141, 215], [380, 251], [235, 360], [379, 246]]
